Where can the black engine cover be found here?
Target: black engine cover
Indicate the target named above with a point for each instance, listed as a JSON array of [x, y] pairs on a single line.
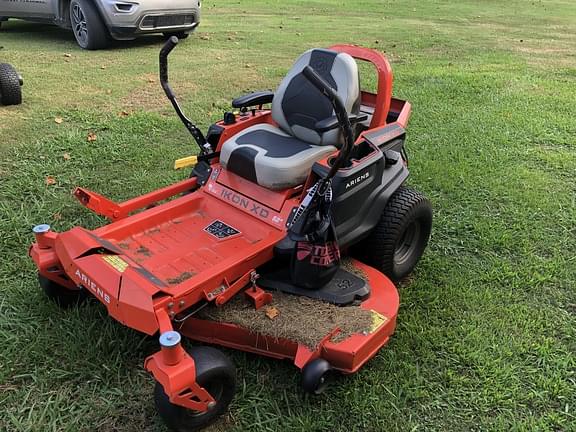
[[361, 192]]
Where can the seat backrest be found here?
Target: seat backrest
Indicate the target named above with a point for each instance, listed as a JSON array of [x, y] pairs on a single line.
[[298, 105]]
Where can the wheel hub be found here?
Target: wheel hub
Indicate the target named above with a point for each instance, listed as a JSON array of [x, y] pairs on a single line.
[[407, 243], [79, 24]]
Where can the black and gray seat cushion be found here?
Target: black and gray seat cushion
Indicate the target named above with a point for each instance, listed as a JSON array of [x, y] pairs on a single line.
[[270, 157], [278, 158]]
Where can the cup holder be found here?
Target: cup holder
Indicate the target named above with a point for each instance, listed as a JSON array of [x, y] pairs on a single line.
[[332, 159], [359, 152]]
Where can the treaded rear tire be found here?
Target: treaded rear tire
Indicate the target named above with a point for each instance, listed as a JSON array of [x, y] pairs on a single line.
[[10, 91], [399, 239]]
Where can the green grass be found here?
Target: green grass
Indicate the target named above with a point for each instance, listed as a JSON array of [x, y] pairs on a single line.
[[486, 331]]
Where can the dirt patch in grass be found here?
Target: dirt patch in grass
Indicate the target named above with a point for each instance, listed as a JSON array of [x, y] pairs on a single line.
[[10, 116], [301, 319], [149, 96]]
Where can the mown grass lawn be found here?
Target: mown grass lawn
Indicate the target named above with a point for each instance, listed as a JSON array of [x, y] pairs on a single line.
[[486, 333]]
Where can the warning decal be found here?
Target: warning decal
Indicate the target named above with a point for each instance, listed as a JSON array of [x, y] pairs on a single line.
[[378, 320], [116, 262]]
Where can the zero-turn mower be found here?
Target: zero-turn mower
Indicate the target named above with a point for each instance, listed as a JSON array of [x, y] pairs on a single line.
[[296, 213]]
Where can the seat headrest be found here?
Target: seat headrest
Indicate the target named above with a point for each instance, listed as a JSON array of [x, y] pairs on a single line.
[[298, 105]]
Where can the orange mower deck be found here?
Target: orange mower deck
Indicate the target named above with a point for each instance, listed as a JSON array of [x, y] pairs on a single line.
[[143, 270]]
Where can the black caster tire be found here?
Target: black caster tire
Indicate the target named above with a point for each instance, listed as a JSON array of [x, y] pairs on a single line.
[[216, 373], [64, 297], [179, 35], [315, 376], [399, 239], [10, 82], [87, 25]]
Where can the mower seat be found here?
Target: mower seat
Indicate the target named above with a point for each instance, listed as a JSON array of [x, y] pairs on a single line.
[[279, 157]]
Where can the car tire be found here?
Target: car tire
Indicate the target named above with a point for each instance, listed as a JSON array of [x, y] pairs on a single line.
[[179, 35], [87, 25], [10, 82], [399, 239]]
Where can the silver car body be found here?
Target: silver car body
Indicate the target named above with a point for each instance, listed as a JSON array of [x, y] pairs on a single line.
[[124, 19]]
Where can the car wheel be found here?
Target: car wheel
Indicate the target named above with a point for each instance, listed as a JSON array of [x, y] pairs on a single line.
[[89, 30], [10, 82], [179, 35]]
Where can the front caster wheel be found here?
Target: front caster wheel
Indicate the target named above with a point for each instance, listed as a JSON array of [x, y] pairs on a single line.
[[315, 376], [216, 373], [62, 296]]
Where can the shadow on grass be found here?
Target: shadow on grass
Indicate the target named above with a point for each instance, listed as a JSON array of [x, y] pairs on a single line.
[[42, 32]]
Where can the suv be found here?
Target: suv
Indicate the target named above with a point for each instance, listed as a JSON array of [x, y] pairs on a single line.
[[94, 21]]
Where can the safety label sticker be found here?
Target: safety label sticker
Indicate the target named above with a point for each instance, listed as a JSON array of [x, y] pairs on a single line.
[[378, 320], [221, 230], [116, 262]]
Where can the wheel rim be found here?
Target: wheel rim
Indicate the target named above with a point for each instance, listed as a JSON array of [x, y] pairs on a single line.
[[79, 24], [407, 244]]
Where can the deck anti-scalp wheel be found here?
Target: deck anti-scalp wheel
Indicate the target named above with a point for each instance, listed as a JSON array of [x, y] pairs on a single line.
[[400, 237], [10, 83], [216, 373], [62, 296], [315, 376]]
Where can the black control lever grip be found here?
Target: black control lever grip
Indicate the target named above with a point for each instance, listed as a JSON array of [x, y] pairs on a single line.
[[340, 110], [164, 52], [194, 131]]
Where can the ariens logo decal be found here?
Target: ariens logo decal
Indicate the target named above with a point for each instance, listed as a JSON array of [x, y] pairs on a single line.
[[358, 180], [91, 285]]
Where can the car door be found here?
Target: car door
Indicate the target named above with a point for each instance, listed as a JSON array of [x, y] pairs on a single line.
[[27, 8]]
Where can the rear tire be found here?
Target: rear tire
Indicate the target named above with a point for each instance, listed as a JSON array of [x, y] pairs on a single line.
[[216, 373], [10, 92], [399, 239], [87, 25], [62, 296]]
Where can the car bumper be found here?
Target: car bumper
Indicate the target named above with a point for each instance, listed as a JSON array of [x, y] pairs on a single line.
[[128, 19], [126, 33]]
